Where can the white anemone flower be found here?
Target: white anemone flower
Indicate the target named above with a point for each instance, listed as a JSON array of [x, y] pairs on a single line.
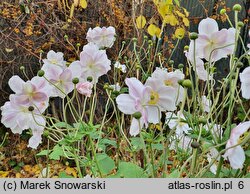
[[236, 154], [102, 37], [245, 83]]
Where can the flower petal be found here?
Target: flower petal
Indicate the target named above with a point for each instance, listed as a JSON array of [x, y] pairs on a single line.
[[126, 104], [16, 84]]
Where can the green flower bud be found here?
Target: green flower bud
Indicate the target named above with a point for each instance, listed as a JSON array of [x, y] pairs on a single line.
[[75, 80], [171, 62], [106, 86], [193, 35], [66, 36], [22, 68], [78, 44], [240, 24], [186, 48], [134, 39], [145, 37], [239, 64], [195, 144], [124, 42], [46, 133], [237, 7], [223, 11], [180, 66], [187, 83], [40, 73], [137, 115], [89, 79]]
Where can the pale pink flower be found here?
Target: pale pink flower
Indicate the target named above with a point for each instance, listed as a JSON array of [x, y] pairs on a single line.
[[17, 116], [236, 155], [135, 101], [93, 62], [170, 79], [102, 37], [85, 88], [212, 155], [198, 63], [162, 98], [211, 39], [35, 139], [177, 122], [61, 79], [245, 83], [206, 103], [54, 60], [121, 67], [36, 90]]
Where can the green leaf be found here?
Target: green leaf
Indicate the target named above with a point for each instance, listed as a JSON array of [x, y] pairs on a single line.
[[105, 163], [174, 174], [56, 153], [129, 170], [64, 175], [247, 175], [136, 143], [157, 146], [43, 153]]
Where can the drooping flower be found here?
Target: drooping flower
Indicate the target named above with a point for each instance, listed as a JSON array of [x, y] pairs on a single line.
[[245, 83], [197, 63], [179, 122], [162, 98], [18, 117], [212, 155], [212, 43], [121, 67], [85, 88], [34, 91], [102, 37], [170, 79], [206, 103], [93, 62], [236, 155], [133, 102]]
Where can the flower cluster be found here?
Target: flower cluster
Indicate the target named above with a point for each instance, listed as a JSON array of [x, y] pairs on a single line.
[[26, 107], [161, 92]]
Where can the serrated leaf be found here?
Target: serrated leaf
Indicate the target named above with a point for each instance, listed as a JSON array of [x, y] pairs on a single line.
[[140, 22], [174, 174]]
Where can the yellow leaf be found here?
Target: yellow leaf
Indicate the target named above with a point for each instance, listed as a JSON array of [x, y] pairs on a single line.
[[180, 14], [179, 33], [186, 12], [83, 4], [71, 171], [165, 8], [4, 174], [186, 22], [140, 22], [171, 19], [153, 30]]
